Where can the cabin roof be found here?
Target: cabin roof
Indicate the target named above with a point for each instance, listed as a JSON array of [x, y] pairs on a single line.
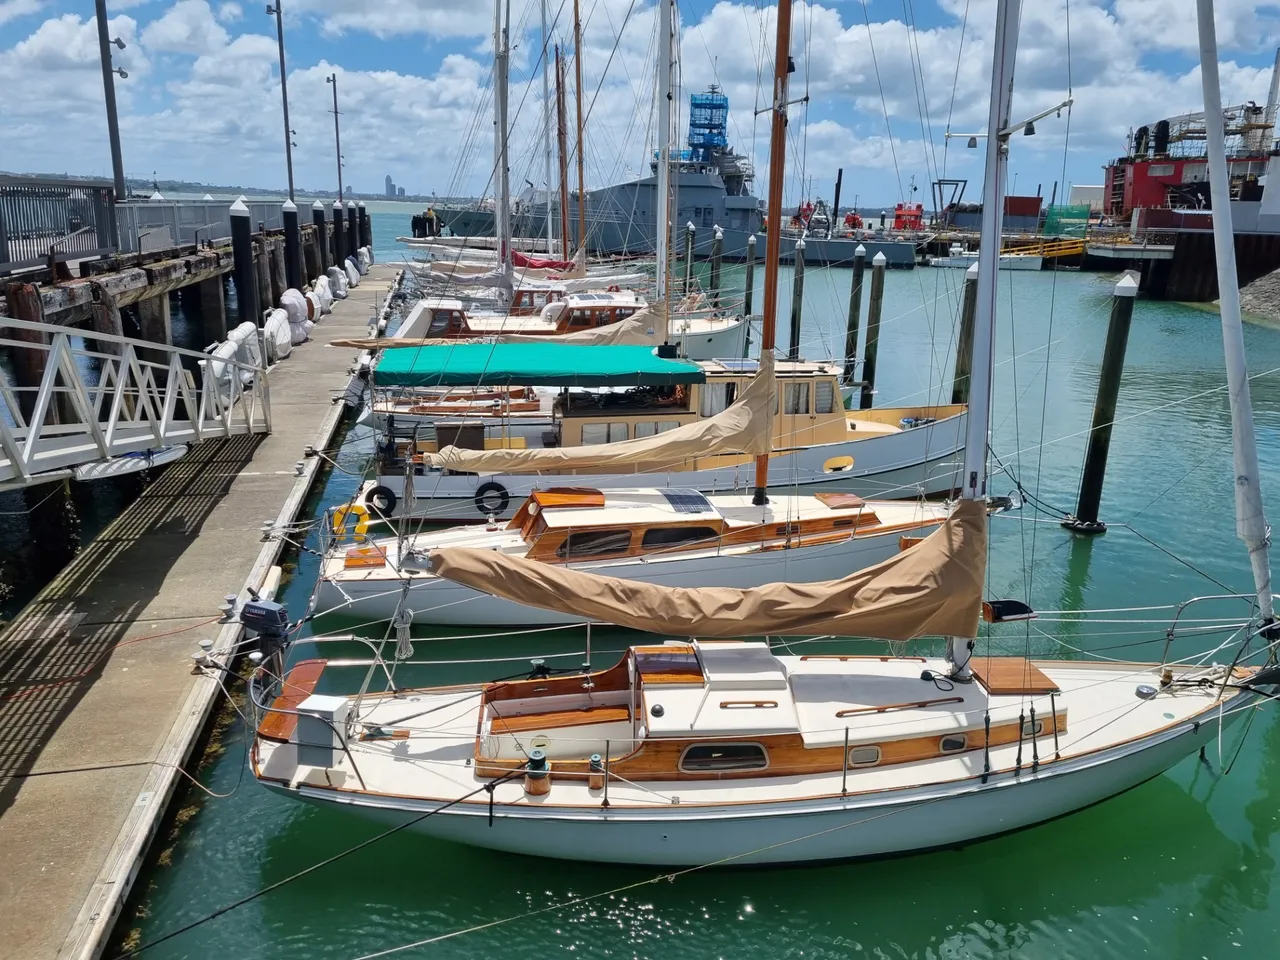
[[633, 507], [733, 367]]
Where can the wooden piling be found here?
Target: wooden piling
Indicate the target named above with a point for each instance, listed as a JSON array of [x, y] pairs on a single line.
[[339, 241], [211, 302], [262, 265], [964, 342], [1085, 519], [245, 272], [873, 329], [366, 226], [155, 324], [104, 317], [277, 276], [854, 319], [28, 364], [797, 302], [292, 245], [353, 228], [321, 240]]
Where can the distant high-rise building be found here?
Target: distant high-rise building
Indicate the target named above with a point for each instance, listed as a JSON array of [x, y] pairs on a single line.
[[391, 187], [399, 191]]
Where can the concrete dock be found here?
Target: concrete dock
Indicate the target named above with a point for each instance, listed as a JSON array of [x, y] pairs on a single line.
[[98, 704]]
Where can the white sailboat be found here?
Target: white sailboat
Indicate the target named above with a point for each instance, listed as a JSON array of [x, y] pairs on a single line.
[[720, 752]]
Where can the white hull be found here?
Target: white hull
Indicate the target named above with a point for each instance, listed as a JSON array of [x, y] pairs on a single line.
[[1014, 261], [924, 460], [437, 601], [131, 463], [713, 339], [883, 823]]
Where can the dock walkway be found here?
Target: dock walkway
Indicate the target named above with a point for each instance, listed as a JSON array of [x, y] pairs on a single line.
[[98, 705]]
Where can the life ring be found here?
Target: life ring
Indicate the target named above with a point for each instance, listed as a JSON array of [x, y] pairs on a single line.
[[492, 498], [381, 499], [614, 288], [344, 513]]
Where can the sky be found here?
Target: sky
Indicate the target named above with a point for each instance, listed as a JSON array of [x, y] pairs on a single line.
[[885, 80]]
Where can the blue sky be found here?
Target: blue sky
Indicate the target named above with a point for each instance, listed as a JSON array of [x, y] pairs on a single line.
[[202, 98]]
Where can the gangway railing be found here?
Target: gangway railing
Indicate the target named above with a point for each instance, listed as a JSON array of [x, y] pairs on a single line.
[[102, 396], [1047, 247]]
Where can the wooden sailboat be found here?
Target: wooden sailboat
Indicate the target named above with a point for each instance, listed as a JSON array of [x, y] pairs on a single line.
[[719, 751]]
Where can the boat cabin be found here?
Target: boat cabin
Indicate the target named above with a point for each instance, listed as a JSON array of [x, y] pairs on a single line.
[[731, 709], [533, 312]]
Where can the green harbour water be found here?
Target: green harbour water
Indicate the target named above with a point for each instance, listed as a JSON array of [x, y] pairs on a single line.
[[1183, 866]]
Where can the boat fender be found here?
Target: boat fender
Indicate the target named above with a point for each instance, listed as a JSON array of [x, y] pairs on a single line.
[[381, 500], [491, 498], [347, 511]]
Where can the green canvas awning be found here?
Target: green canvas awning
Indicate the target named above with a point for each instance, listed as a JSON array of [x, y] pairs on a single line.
[[530, 364]]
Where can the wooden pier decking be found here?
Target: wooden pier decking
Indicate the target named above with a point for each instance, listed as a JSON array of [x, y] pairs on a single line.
[[98, 705]]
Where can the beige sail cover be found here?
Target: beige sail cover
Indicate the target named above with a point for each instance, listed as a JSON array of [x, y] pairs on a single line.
[[631, 331], [931, 589], [742, 427]]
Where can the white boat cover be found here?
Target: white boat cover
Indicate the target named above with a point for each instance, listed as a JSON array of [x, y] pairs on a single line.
[[338, 282], [744, 426], [277, 334], [294, 303], [314, 309], [324, 291], [364, 257], [931, 589], [352, 271]]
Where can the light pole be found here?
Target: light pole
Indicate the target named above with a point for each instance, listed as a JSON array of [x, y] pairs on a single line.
[[337, 137], [284, 93], [1013, 191], [109, 90]]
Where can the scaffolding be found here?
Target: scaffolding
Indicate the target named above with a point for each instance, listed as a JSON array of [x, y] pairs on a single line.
[[708, 124]]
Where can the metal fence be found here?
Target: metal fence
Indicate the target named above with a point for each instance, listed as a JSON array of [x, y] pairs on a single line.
[[75, 219], [156, 224]]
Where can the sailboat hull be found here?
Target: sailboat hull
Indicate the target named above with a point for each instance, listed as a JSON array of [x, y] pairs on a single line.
[[924, 460], [443, 602], [880, 824]]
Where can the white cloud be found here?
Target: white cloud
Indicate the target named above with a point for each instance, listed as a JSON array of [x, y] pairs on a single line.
[[389, 18], [187, 27], [13, 9], [229, 12]]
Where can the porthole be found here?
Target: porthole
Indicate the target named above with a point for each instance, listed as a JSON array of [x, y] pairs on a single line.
[[954, 743], [1030, 729], [865, 756], [722, 757]]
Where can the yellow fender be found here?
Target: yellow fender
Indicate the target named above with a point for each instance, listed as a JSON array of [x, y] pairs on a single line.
[[343, 514]]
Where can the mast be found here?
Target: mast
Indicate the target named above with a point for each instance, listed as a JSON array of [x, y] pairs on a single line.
[[782, 67], [978, 423], [664, 145], [577, 80], [562, 135], [546, 125], [1251, 521], [502, 212]]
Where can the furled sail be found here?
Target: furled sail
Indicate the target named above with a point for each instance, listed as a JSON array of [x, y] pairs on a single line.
[[647, 326], [742, 427], [931, 589]]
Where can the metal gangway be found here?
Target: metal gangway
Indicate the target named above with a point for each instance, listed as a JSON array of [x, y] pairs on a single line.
[[103, 398]]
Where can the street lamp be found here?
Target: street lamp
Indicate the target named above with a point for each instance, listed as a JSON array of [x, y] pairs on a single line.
[[337, 137], [284, 92], [109, 92]]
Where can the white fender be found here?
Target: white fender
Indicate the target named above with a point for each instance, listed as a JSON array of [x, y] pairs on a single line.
[[313, 307], [277, 332], [353, 272], [221, 367], [245, 337], [365, 258], [325, 293]]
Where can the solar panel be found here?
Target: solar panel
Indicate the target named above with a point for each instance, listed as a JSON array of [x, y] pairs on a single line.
[[739, 365], [687, 501]]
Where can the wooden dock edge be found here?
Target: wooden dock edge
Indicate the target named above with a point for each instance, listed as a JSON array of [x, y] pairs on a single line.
[[92, 927]]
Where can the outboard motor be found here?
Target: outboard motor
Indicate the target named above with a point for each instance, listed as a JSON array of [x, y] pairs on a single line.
[[270, 621]]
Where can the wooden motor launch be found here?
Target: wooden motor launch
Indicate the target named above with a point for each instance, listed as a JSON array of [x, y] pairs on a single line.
[[716, 750]]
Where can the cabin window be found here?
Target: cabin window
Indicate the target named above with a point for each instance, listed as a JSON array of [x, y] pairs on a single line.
[[797, 398], [723, 757], [715, 397], [657, 537], [650, 428], [1030, 729], [954, 743], [622, 313], [824, 396], [594, 543], [867, 756], [439, 321], [581, 318], [593, 433]]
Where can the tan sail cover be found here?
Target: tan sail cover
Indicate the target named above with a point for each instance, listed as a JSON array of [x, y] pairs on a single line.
[[931, 589], [742, 427], [631, 331]]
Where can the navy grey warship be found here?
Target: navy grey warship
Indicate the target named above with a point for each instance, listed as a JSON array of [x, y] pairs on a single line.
[[711, 183]]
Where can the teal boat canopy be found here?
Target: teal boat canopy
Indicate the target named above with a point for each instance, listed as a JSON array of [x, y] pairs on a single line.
[[531, 364]]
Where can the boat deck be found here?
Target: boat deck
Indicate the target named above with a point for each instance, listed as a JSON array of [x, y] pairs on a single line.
[[97, 697], [431, 759]]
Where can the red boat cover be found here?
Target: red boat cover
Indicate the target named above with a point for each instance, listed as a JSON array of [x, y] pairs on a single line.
[[540, 263]]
